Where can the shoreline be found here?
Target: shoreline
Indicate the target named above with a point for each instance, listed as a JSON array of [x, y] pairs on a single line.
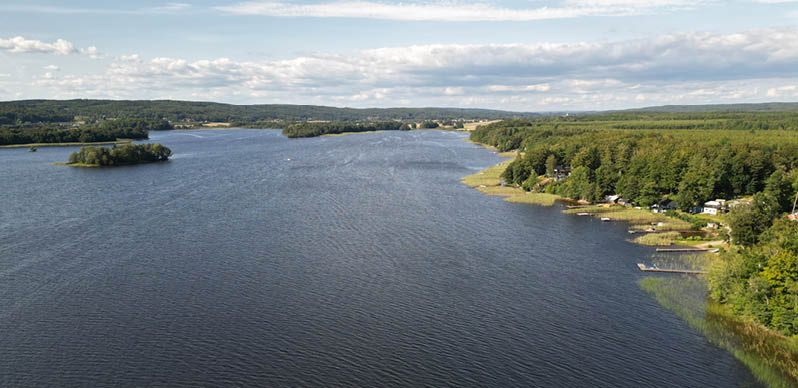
[[765, 353], [73, 144]]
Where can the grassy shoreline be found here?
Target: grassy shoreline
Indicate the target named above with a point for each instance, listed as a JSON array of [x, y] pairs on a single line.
[[771, 358], [488, 181], [75, 144]]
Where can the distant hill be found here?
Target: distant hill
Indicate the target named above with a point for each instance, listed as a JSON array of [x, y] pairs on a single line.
[[763, 107], [33, 111]]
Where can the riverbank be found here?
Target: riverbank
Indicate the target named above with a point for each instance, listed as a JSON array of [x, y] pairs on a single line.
[[75, 144], [772, 358], [655, 229], [489, 181]]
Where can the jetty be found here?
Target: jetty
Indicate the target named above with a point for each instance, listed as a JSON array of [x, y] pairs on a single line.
[[645, 268], [683, 249]]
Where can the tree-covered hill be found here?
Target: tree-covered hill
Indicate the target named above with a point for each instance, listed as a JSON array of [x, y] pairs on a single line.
[[35, 111], [763, 107]]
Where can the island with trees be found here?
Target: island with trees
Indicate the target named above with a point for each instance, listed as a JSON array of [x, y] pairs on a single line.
[[312, 129], [124, 155]]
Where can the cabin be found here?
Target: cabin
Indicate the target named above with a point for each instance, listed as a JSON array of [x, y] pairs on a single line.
[[663, 206], [561, 172], [612, 199], [715, 207]]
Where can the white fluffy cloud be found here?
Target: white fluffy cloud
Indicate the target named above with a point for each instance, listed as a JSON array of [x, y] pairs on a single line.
[[19, 44], [448, 11], [671, 68]]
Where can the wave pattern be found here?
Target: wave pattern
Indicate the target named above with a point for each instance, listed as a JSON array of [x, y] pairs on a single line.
[[351, 261]]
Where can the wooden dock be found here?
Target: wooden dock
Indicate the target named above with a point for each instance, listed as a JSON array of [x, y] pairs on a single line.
[[645, 268], [683, 249]]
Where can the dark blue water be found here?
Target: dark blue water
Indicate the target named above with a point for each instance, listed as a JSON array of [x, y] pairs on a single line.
[[250, 259]]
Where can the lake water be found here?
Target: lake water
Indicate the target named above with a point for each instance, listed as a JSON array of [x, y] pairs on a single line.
[[250, 259]]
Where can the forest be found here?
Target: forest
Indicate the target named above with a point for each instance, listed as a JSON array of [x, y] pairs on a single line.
[[690, 158], [329, 128], [52, 111], [109, 130], [645, 166], [119, 156]]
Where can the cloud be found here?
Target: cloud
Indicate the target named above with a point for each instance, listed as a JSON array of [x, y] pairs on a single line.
[[171, 7], [92, 52], [51, 68], [526, 88], [688, 67], [446, 11], [19, 44], [50, 9], [783, 91]]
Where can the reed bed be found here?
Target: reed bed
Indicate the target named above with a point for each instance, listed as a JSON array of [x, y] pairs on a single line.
[[668, 226], [490, 176], [772, 359], [658, 239], [505, 191], [542, 199]]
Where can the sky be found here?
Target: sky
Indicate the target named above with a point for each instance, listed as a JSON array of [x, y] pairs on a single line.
[[520, 55]]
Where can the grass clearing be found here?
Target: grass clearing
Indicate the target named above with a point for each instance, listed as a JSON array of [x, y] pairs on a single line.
[[621, 213]]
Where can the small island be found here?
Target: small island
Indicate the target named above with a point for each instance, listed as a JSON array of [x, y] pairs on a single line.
[[125, 155], [313, 129]]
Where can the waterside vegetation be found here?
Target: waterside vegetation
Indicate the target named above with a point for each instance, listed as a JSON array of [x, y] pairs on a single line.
[[677, 163], [312, 129], [119, 156]]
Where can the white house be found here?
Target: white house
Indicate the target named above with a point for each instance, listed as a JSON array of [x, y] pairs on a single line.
[[713, 207]]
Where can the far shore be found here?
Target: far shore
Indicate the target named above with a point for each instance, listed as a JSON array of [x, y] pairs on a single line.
[[75, 144]]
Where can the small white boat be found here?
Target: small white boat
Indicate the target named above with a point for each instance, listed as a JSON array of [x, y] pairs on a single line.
[[605, 219], [583, 214]]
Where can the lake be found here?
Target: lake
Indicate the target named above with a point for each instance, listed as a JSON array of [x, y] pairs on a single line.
[[250, 259]]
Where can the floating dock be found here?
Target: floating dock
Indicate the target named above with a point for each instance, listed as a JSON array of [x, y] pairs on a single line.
[[645, 268]]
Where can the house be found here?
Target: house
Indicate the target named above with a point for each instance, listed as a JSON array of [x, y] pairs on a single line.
[[663, 206], [611, 199], [793, 217], [561, 172], [714, 207]]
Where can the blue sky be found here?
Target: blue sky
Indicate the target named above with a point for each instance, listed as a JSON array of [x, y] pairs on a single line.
[[528, 55]]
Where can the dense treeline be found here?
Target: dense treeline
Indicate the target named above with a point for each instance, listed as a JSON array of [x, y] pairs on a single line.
[[120, 156], [761, 281], [36, 111], [109, 130], [644, 166], [318, 129], [690, 158]]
